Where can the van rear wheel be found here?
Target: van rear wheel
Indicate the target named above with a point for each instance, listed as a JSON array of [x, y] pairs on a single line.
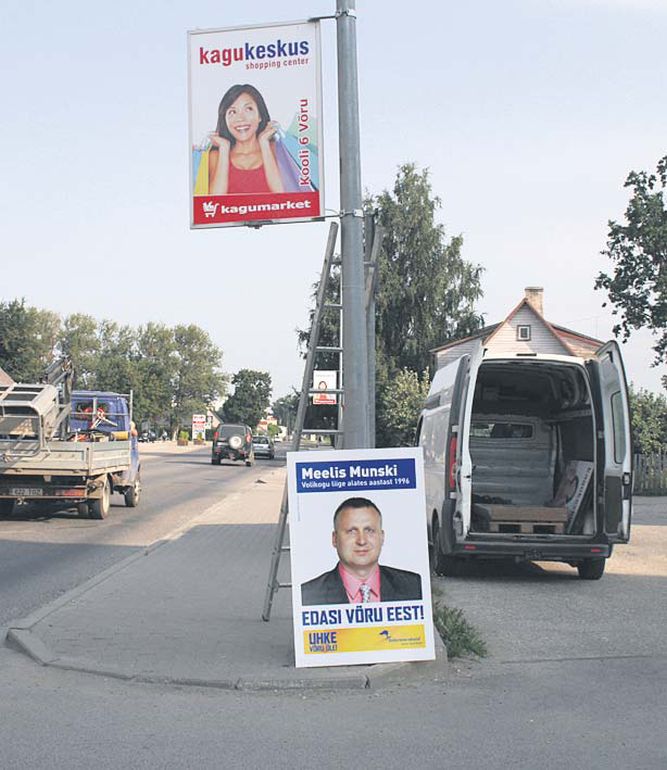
[[441, 563], [591, 569]]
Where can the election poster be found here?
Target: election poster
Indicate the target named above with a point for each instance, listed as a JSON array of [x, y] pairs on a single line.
[[254, 100], [361, 589], [324, 380]]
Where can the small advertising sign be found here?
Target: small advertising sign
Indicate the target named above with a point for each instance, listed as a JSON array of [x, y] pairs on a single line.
[[198, 426], [361, 589], [323, 381], [255, 125]]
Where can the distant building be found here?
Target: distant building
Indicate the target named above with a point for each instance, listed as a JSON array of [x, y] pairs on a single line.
[[524, 330], [268, 419]]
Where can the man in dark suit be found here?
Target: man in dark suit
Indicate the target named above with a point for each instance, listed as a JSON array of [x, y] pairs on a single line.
[[358, 577]]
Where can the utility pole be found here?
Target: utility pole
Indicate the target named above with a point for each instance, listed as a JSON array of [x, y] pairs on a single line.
[[355, 346]]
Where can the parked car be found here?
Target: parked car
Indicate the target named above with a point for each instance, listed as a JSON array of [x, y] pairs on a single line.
[[232, 442], [263, 447]]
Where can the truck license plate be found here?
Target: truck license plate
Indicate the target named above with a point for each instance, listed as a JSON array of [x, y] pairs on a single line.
[[26, 491]]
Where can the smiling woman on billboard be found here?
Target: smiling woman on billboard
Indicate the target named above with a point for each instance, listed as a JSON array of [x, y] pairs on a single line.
[[243, 159]]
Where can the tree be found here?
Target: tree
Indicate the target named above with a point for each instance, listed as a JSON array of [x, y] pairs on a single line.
[[79, 341], [251, 397], [637, 287], [401, 400], [198, 381], [284, 409], [426, 290], [649, 421], [117, 359], [156, 365], [426, 295], [28, 339]]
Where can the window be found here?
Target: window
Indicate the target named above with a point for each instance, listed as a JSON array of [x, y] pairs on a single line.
[[523, 332], [504, 430], [619, 427]]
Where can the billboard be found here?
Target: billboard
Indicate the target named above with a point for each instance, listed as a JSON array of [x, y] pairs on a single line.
[[254, 98], [198, 426], [324, 380], [361, 588]]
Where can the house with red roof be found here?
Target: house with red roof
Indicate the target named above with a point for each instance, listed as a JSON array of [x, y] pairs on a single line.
[[524, 331]]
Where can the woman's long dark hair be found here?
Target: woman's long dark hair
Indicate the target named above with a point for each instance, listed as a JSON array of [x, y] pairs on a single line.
[[229, 98]]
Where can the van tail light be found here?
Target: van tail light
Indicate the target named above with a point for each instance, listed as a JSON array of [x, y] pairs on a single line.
[[248, 438], [215, 436], [451, 479]]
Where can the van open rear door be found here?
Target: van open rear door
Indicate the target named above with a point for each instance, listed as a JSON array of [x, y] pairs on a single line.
[[464, 461], [616, 465]]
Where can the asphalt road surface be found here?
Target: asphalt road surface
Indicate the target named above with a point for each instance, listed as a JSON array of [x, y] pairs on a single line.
[[575, 677], [43, 555]]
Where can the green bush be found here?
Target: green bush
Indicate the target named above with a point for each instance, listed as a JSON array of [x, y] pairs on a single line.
[[459, 636]]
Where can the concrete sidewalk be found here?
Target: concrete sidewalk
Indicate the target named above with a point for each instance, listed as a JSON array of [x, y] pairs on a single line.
[[188, 610]]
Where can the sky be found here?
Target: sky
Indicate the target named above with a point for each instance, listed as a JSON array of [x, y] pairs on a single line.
[[529, 114]]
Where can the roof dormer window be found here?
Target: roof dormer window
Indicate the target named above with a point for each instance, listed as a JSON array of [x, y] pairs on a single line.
[[523, 332]]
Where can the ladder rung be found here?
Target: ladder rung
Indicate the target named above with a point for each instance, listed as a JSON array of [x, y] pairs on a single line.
[[319, 349], [333, 306], [284, 585], [316, 391]]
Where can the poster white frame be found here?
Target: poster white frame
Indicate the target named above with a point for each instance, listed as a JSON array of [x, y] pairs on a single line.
[[312, 554]]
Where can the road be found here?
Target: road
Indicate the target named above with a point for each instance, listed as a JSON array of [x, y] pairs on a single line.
[[43, 556], [575, 677]]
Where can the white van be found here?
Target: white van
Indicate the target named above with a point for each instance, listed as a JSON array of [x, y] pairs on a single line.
[[528, 457]]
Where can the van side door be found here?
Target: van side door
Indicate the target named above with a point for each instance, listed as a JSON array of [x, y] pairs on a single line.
[[614, 462], [462, 514], [435, 437]]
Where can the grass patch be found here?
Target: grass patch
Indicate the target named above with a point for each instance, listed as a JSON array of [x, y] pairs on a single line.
[[459, 636]]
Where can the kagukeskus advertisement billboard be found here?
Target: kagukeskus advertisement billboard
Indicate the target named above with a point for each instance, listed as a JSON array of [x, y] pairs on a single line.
[[255, 125]]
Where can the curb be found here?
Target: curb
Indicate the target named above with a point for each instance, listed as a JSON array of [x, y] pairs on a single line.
[[34, 647], [26, 642]]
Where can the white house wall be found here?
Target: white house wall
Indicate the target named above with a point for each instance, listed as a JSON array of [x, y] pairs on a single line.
[[444, 357], [542, 339]]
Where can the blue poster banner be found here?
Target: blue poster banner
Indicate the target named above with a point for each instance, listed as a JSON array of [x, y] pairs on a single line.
[[355, 475]]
